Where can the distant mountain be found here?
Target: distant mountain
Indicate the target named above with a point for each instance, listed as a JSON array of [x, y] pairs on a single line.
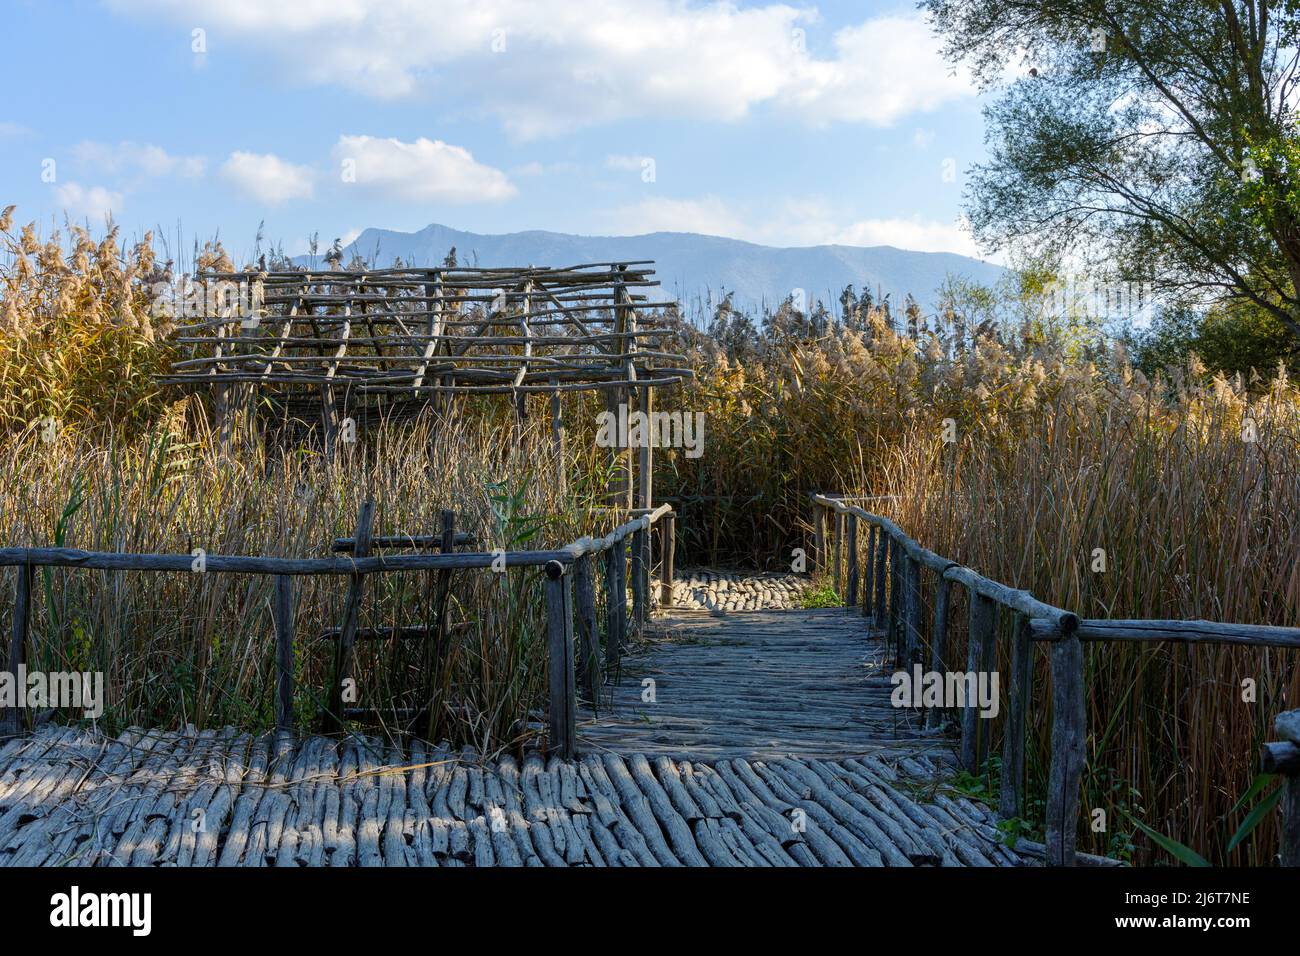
[[693, 269]]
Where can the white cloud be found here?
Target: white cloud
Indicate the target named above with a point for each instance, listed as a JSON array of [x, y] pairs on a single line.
[[268, 178], [625, 163], [10, 130], [128, 157], [81, 202], [423, 171], [545, 66], [793, 222]]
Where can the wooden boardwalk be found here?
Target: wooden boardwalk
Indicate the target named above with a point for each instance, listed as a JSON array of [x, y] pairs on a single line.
[[770, 741], [72, 797], [804, 683]]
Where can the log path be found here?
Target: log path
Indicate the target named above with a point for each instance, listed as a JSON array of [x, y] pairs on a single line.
[[770, 742]]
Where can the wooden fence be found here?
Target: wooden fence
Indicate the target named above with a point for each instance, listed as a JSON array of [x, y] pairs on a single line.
[[568, 570], [891, 593]]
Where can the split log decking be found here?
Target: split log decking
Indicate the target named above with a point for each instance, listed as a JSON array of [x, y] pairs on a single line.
[[808, 683], [151, 798]]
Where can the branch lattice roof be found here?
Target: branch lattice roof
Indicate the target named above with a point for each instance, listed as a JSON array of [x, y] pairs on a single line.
[[410, 333]]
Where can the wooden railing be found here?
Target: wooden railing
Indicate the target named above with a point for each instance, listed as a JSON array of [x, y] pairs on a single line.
[[891, 594], [1284, 757], [559, 593]]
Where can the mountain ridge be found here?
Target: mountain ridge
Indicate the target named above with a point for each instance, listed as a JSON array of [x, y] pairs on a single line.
[[694, 268]]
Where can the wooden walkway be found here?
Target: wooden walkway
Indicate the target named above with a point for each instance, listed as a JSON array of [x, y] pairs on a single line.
[[71, 797], [769, 740]]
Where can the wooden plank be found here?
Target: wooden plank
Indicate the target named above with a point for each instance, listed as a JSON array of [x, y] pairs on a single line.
[[283, 612], [559, 654], [1069, 739]]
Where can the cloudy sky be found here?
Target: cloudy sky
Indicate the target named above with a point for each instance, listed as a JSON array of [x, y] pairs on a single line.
[[781, 124]]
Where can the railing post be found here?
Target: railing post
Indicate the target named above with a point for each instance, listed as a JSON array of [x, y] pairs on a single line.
[[615, 603], [559, 659], [588, 639], [979, 660], [913, 609], [435, 653], [882, 545], [939, 640], [819, 538], [851, 596], [282, 609], [1011, 800], [1284, 757], [1069, 738], [637, 573], [869, 571], [895, 602], [836, 530], [667, 553], [345, 649], [12, 722]]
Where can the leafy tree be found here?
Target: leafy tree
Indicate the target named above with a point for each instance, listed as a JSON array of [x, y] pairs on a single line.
[[1155, 139]]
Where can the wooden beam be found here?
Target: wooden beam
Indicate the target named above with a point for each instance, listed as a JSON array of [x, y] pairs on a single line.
[[559, 656]]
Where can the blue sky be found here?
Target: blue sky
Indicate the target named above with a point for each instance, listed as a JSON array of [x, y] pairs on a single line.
[[786, 125]]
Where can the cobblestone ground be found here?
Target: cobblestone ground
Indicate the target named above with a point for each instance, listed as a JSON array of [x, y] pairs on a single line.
[[710, 590]]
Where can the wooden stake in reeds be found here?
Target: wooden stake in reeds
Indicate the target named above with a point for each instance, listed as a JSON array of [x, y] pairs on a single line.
[[559, 655], [283, 612], [345, 649], [13, 719]]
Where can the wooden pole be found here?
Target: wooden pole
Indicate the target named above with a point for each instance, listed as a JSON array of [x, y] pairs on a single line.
[[345, 649], [819, 539], [1069, 739], [588, 637], [869, 572], [637, 574], [896, 560], [13, 717], [836, 530], [1011, 800], [615, 604], [882, 545], [557, 439], [283, 612], [939, 640], [436, 652], [559, 654], [851, 597], [668, 552], [979, 654], [912, 594]]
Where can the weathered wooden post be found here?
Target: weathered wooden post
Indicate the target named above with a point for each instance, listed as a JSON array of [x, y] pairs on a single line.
[[1011, 800], [615, 603], [282, 610], [345, 650], [557, 436], [851, 597], [1284, 757], [588, 638], [636, 572], [1069, 738], [836, 539], [914, 627], [979, 661], [895, 600], [819, 538], [559, 658], [939, 640], [13, 717], [667, 553], [882, 547], [869, 572]]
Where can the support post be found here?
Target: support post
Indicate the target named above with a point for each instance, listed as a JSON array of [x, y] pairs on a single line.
[[12, 722], [836, 530], [1284, 757], [345, 650], [895, 600], [436, 651], [939, 640], [668, 552], [1069, 739], [979, 659], [819, 538], [851, 596], [615, 604], [584, 586], [557, 436], [637, 574], [283, 612], [1011, 800], [882, 546], [869, 572], [559, 658], [913, 625]]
